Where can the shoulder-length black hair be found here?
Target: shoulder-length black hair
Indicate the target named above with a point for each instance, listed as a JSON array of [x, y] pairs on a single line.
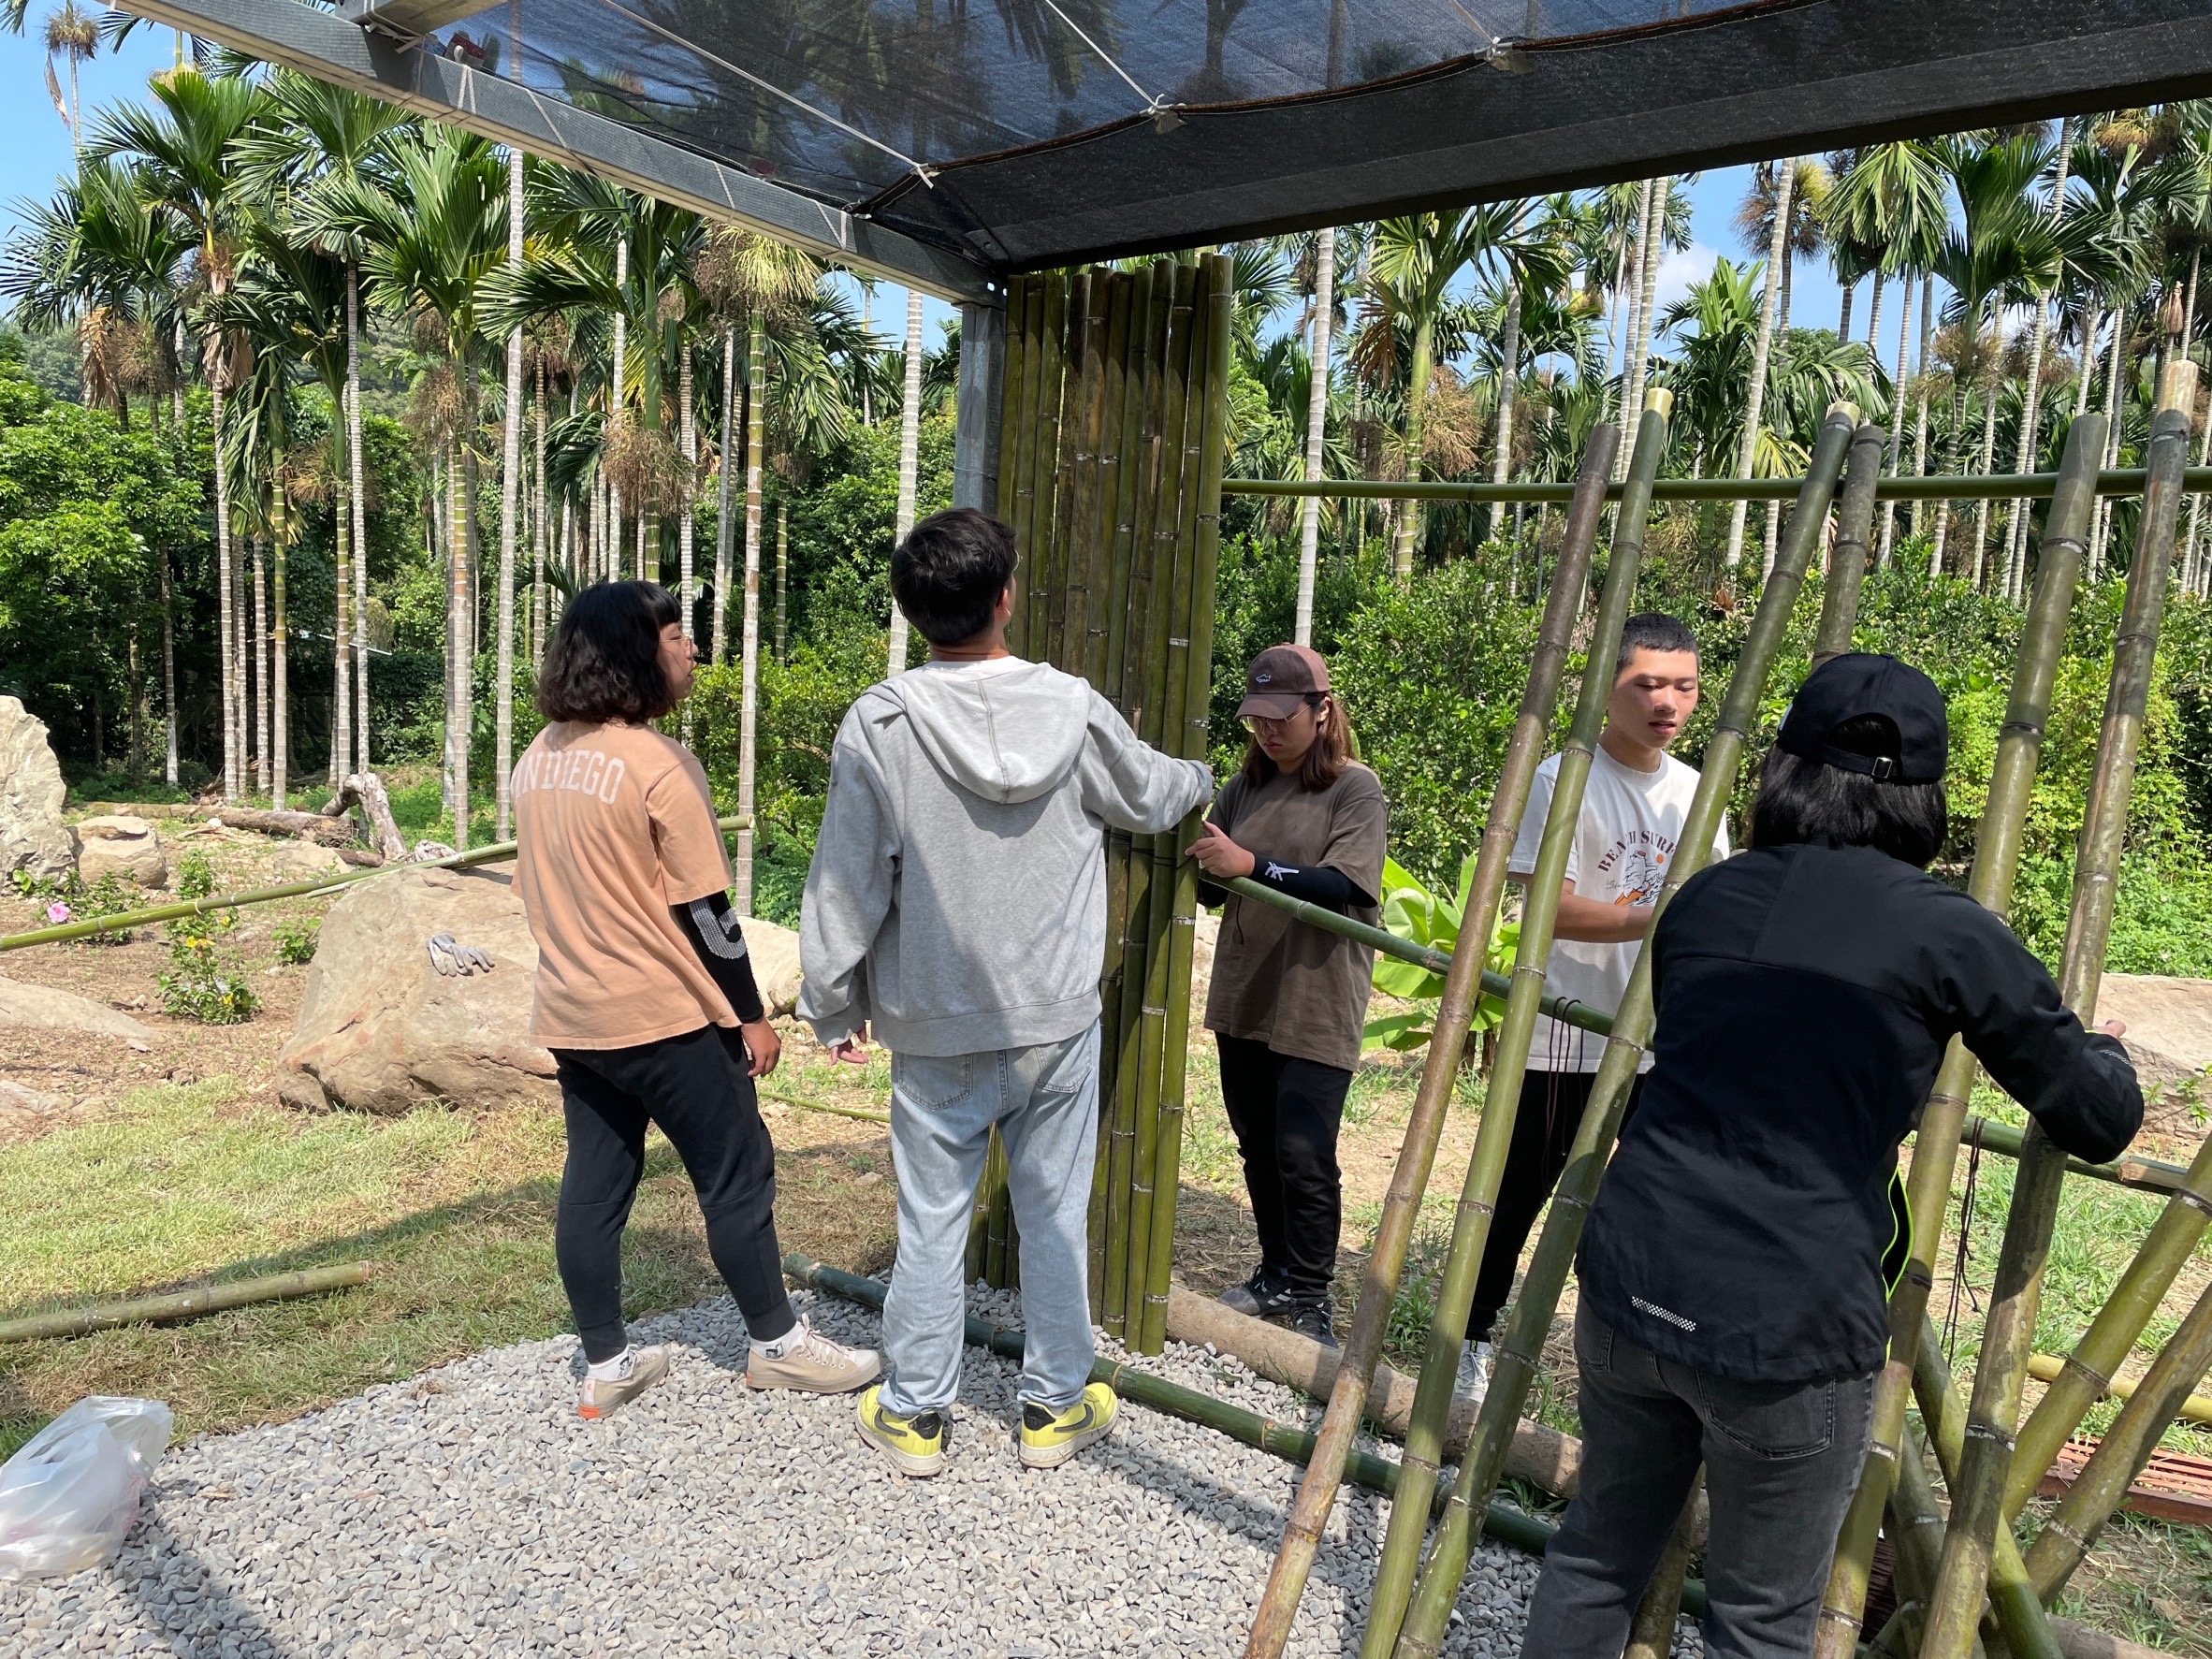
[[603, 661], [1807, 803]]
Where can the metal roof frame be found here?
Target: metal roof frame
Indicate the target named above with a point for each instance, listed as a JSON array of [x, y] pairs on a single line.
[[331, 48]]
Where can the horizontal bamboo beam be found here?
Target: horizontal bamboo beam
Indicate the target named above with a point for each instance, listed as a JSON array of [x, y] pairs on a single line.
[[261, 896], [1991, 487], [2047, 1368], [1503, 1522], [185, 1304], [2144, 1175]]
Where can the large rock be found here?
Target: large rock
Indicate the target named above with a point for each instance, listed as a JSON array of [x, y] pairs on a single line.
[[382, 1030], [33, 836], [121, 845], [2169, 1024], [775, 953], [42, 1008]]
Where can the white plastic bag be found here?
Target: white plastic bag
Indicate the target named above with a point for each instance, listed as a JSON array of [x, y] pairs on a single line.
[[69, 1496]]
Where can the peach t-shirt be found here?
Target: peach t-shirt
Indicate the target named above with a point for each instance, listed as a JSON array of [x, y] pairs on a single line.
[[616, 826]]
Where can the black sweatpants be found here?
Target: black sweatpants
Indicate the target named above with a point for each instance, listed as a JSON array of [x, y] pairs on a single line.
[[1544, 1129], [1286, 1113], [696, 1087]]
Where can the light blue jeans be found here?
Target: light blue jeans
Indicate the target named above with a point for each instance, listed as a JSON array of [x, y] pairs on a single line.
[[1045, 1100]]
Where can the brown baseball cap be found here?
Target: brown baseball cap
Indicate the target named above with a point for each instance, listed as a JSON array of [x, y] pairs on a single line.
[[1280, 680]]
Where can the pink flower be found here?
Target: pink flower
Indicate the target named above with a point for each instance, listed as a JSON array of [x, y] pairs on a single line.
[[57, 913]]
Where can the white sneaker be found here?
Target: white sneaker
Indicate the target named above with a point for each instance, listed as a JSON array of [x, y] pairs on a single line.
[[1475, 1362], [813, 1366]]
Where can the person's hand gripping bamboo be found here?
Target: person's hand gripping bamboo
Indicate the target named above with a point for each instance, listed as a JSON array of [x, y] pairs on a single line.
[[1219, 856]]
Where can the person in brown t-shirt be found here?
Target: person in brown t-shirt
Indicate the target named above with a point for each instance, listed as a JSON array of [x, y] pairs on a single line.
[[1288, 1001], [644, 994]]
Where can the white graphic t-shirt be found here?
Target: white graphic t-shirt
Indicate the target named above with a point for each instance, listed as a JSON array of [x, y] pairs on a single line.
[[1622, 849]]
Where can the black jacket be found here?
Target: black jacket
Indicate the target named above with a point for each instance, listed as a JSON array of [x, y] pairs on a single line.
[[1805, 996]]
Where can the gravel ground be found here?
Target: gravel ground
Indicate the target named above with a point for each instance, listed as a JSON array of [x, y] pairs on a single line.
[[469, 1511]]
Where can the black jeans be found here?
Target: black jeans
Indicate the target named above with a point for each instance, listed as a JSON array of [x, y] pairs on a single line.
[[696, 1087], [1544, 1128], [1286, 1113], [1781, 1460]]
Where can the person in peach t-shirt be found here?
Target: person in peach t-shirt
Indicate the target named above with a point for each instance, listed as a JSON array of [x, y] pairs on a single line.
[[644, 994]]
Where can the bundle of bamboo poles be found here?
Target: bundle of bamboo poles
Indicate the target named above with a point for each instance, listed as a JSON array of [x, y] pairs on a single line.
[[1115, 434]]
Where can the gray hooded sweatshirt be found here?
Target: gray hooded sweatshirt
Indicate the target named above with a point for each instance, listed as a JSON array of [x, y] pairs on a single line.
[[957, 899]]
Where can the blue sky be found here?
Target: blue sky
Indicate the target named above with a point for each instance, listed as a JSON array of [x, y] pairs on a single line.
[[34, 151]]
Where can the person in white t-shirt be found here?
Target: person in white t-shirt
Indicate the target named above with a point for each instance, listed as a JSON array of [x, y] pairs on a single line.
[[1633, 807]]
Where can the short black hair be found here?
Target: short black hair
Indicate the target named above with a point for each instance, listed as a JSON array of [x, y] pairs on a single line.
[[603, 661], [947, 574], [1653, 630], [1810, 803]]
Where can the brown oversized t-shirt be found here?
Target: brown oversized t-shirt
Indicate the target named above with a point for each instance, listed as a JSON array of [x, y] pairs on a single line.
[[616, 826], [1277, 980]]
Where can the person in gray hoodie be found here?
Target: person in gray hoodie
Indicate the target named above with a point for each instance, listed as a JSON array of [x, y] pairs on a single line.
[[958, 902]]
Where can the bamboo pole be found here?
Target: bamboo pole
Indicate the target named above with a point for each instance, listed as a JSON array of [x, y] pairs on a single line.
[[1650, 1633], [1044, 433], [804, 1105], [1017, 469], [2111, 481], [2008, 1331], [2019, 1613], [1055, 558], [1847, 558], [1076, 545], [1007, 503], [1915, 1523], [1455, 1292], [185, 1304], [1171, 535], [2050, 1368], [1463, 981], [2102, 1485], [494, 854], [1207, 448], [1517, 1354], [1935, 1147]]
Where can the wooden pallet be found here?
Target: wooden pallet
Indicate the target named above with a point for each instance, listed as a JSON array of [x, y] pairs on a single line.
[[2175, 1486]]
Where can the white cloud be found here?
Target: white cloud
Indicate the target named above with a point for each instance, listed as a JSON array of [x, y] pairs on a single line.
[[1677, 271]]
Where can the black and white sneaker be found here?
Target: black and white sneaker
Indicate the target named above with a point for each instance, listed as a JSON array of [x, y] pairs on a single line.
[[1266, 1285], [1309, 1316]]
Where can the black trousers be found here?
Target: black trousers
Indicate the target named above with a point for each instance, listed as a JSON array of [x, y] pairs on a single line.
[[696, 1087], [1286, 1113], [1782, 1462], [1544, 1128]]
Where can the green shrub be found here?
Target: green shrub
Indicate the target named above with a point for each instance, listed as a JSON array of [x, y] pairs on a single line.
[[296, 940], [199, 983]]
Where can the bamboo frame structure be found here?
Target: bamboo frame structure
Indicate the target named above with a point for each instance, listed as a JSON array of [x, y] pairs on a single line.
[[1935, 1148], [1114, 437], [1463, 983], [2008, 1329], [1486, 1167], [1847, 558], [1424, 1618]]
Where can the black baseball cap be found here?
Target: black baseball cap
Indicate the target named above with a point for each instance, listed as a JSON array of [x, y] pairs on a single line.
[[1860, 685]]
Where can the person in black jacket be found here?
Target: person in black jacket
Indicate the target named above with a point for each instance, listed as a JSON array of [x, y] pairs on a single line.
[[1732, 1308]]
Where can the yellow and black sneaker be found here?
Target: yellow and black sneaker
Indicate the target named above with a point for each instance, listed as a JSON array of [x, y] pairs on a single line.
[[915, 1444], [1050, 1438]]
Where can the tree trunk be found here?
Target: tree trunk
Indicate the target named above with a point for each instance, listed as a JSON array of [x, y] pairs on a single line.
[[462, 626], [1631, 376], [756, 382], [910, 461], [2116, 414], [1988, 459], [279, 689], [782, 578], [723, 491], [341, 667], [168, 675], [1953, 460], [1874, 325], [1316, 421], [510, 507], [226, 620], [1920, 415], [1417, 397], [1843, 314], [1770, 540], [1769, 306], [2015, 539], [537, 531], [262, 770], [357, 506], [1897, 415], [1508, 379], [688, 441], [1647, 288]]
